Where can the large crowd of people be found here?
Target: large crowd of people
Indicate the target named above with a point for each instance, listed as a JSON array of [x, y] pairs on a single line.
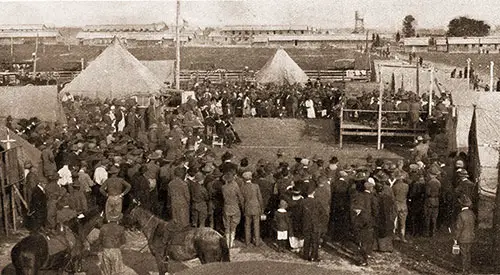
[[112, 153]]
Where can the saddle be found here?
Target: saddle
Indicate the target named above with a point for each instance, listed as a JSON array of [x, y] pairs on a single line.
[[59, 241], [174, 234]]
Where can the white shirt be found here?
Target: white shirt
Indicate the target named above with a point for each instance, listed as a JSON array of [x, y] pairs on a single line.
[[100, 175], [64, 176]]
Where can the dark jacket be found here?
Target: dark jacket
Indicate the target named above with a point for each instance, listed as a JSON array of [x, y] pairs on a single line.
[[465, 225], [313, 216], [37, 216]]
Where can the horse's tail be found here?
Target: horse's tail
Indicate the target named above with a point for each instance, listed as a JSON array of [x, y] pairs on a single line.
[[224, 249]]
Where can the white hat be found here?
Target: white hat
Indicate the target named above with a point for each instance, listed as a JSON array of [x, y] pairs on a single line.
[[304, 162]]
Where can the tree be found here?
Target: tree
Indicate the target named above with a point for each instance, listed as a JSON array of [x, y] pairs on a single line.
[[464, 26], [398, 37], [409, 26]]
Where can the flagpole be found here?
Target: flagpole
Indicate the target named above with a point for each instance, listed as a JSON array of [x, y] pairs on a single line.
[[36, 53], [177, 48]]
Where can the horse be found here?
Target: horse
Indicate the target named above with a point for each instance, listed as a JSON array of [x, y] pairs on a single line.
[[167, 241], [32, 254]]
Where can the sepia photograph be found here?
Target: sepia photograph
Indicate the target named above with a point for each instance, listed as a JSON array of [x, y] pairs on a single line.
[[244, 137]]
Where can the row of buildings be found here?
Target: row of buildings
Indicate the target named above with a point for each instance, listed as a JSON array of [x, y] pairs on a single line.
[[160, 34], [488, 44], [29, 34]]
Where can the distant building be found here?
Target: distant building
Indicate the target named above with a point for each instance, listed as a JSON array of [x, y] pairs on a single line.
[[488, 44], [28, 34], [416, 44], [285, 36], [137, 35], [244, 34]]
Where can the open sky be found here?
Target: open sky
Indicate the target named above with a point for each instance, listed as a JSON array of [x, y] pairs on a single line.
[[385, 14]]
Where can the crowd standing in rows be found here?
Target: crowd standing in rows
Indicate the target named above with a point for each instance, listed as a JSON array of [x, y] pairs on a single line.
[[112, 153]]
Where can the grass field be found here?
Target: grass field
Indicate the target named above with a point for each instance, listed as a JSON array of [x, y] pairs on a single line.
[[480, 62], [56, 57]]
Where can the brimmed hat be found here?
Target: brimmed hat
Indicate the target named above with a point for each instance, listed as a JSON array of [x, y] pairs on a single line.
[[136, 152], [295, 191], [153, 126], [360, 176], [459, 164], [247, 175], [113, 170], [464, 200], [154, 156], [304, 162], [370, 183], [413, 166], [208, 167], [434, 171], [462, 172]]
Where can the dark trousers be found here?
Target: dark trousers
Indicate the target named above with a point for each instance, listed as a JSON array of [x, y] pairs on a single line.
[[311, 245], [465, 254], [364, 238], [252, 221], [431, 215]]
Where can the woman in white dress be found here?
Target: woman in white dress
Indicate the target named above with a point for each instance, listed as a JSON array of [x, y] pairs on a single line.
[[310, 108]]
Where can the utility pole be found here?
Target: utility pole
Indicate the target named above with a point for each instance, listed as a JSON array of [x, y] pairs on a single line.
[[492, 66], [417, 80], [177, 48], [35, 55], [468, 73], [431, 91], [12, 47]]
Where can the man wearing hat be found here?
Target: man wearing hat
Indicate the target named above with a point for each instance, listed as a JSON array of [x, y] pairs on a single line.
[[179, 198], [464, 185], [54, 193], [464, 234], [199, 200], [77, 198], [48, 160], [233, 200], [114, 188], [431, 204], [363, 216], [253, 207], [340, 206], [37, 215], [31, 180], [313, 217]]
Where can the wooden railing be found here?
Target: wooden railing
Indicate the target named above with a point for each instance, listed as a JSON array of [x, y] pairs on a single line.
[[218, 76]]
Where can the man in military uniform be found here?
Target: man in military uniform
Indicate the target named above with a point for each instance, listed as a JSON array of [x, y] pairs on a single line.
[[431, 204]]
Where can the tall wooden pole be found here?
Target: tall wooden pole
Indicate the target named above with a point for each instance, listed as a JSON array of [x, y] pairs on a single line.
[[468, 73], [12, 48], [417, 79], [492, 67], [431, 91], [35, 55], [177, 48], [379, 123]]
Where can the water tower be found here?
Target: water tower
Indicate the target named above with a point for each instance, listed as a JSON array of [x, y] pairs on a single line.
[[359, 23]]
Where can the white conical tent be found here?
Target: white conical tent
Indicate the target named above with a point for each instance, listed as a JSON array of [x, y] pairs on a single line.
[[281, 69], [115, 73]]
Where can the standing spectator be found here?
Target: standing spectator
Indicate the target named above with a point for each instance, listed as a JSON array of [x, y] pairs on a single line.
[[363, 215], [86, 183], [400, 190], [464, 232], [313, 216], [324, 196], [282, 226], [114, 188], [310, 112], [431, 205], [37, 215], [180, 198], [140, 188], [31, 181], [54, 193], [77, 197], [199, 198], [111, 238], [233, 199], [252, 208], [48, 160]]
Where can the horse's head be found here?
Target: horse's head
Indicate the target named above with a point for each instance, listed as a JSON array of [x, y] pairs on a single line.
[[84, 223]]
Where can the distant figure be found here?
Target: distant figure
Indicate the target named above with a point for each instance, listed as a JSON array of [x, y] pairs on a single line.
[[464, 234]]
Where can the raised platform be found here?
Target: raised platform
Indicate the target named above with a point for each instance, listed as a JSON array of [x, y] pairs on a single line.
[[358, 129]]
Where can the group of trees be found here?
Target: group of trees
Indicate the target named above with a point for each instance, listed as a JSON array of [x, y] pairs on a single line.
[[459, 27]]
